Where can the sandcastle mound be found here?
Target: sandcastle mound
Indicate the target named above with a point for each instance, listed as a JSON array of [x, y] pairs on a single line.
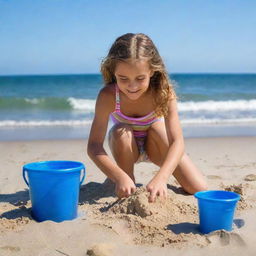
[[166, 223], [138, 205], [161, 223]]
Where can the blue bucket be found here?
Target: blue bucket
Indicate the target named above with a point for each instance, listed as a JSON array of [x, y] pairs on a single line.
[[54, 189], [216, 209]]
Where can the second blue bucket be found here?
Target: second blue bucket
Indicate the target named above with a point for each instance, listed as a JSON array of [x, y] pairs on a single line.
[[54, 189], [216, 209]]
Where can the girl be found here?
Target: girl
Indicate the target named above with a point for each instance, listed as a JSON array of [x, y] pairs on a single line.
[[141, 101]]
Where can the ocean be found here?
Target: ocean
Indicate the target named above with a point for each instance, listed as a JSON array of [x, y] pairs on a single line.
[[62, 106]]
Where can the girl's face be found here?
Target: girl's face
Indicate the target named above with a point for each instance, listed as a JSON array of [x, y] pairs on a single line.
[[133, 78]]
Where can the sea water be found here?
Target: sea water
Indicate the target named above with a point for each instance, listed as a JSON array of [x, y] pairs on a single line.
[[62, 106]]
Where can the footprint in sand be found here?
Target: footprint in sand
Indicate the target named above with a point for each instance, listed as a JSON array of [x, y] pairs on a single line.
[[223, 238], [250, 177], [10, 248], [213, 177], [102, 249]]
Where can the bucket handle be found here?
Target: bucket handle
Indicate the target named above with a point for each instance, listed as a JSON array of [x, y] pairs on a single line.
[[25, 179], [24, 176], [82, 177]]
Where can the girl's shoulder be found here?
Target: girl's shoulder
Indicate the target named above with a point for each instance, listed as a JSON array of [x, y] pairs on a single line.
[[108, 89], [108, 92], [106, 96]]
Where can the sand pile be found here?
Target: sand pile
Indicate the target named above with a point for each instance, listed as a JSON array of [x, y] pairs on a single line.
[[250, 177], [14, 218], [243, 189], [164, 223], [138, 205], [171, 222], [13, 224], [239, 189], [224, 238]]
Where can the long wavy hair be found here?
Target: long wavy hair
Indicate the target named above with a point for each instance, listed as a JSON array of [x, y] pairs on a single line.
[[135, 47]]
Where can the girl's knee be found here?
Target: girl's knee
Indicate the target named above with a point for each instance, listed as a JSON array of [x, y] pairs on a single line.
[[121, 131], [157, 132], [202, 186], [154, 128]]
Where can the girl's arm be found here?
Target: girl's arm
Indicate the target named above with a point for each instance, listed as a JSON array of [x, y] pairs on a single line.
[[157, 185], [104, 106]]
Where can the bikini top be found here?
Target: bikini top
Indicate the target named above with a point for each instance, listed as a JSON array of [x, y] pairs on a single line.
[[139, 125]]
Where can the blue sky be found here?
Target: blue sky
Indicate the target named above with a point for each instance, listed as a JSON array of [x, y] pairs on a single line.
[[72, 36]]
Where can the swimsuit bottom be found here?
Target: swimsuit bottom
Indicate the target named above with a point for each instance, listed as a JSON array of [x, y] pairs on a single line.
[[143, 156], [140, 141]]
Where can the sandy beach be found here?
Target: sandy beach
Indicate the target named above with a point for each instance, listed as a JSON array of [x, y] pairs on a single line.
[[106, 226]]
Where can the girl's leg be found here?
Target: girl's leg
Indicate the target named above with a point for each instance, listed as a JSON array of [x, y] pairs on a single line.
[[186, 173], [124, 148]]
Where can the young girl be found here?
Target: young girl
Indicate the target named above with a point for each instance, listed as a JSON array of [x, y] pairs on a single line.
[[141, 101]]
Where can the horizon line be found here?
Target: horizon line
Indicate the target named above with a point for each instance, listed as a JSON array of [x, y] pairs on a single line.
[[173, 73]]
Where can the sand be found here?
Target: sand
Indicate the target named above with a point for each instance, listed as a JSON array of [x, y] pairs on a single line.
[[131, 226]]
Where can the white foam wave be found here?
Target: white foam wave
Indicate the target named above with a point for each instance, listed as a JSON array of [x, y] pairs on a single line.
[[235, 105], [74, 123], [218, 121], [82, 104], [32, 101], [240, 105], [13, 123]]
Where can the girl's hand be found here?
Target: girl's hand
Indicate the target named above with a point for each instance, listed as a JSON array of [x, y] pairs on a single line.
[[125, 187], [157, 187]]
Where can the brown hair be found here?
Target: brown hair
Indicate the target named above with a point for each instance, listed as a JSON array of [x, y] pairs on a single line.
[[140, 46]]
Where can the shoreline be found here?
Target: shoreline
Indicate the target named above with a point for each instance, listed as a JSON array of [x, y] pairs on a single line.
[[86, 139], [82, 132]]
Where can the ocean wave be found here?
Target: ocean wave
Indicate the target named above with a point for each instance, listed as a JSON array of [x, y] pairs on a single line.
[[82, 104], [34, 123], [218, 121], [88, 105], [35, 103], [239, 105], [76, 123]]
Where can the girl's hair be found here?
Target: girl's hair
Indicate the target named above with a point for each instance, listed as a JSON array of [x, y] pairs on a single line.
[[134, 47]]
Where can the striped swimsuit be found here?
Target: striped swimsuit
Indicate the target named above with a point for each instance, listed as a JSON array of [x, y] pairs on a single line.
[[140, 125]]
